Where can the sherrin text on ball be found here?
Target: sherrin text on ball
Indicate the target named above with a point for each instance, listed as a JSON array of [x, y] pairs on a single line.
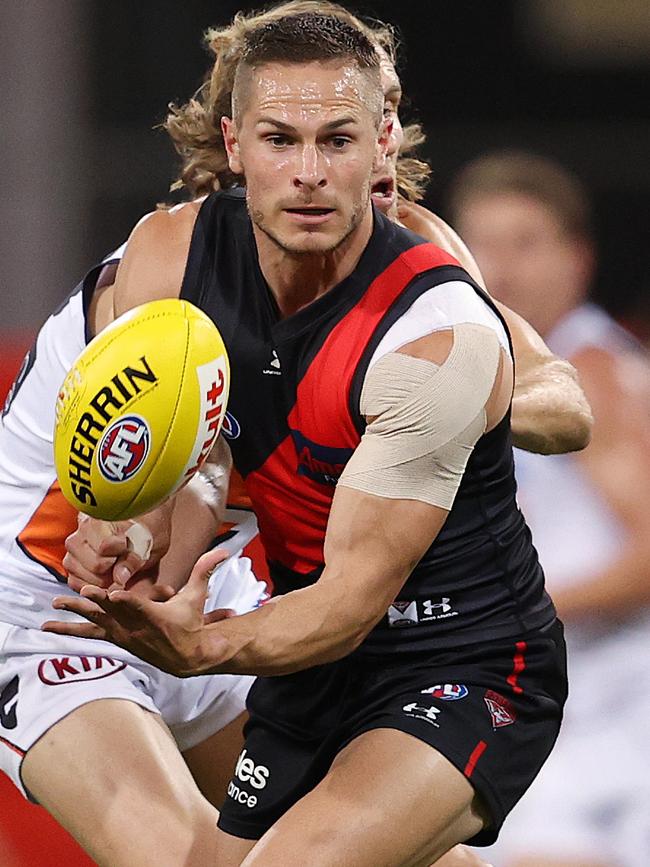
[[140, 409]]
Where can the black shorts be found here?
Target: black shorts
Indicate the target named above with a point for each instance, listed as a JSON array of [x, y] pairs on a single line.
[[493, 709]]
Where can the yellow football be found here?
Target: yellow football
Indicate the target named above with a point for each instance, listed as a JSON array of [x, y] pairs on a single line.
[[140, 409]]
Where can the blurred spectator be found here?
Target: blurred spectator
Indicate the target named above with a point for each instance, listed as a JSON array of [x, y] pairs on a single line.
[[527, 222]]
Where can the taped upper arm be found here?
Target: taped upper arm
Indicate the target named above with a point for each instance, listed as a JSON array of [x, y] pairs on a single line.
[[425, 418]]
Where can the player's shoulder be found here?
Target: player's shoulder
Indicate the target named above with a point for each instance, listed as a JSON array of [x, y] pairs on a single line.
[[164, 226], [155, 256]]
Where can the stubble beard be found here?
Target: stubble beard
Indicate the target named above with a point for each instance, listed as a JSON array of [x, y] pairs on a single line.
[[258, 219]]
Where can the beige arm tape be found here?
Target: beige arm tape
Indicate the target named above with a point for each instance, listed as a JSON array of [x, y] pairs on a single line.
[[428, 419]]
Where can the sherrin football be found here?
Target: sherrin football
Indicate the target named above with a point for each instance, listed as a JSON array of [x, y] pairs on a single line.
[[140, 409]]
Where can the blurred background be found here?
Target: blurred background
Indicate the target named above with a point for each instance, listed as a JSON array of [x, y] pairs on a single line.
[[85, 83]]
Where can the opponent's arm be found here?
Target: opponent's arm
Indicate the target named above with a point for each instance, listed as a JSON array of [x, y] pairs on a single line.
[[550, 413], [617, 464], [388, 508], [198, 513]]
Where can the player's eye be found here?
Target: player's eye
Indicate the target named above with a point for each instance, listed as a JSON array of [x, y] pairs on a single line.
[[278, 140], [339, 142]]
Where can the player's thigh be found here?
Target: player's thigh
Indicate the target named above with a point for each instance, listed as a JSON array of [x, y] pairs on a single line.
[[388, 799], [212, 762], [111, 773]]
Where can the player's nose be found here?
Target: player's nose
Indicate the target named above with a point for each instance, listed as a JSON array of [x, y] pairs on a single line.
[[395, 136], [310, 168]]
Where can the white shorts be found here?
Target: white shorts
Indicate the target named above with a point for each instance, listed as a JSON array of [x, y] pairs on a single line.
[[45, 677]]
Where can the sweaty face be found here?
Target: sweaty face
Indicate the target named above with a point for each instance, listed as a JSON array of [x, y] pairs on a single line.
[[307, 142], [527, 259], [384, 189]]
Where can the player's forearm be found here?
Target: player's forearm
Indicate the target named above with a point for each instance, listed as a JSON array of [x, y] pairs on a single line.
[[304, 628], [550, 413], [198, 512], [372, 545]]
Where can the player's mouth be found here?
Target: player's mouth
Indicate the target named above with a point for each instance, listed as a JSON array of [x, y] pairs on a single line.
[[383, 194], [310, 214]]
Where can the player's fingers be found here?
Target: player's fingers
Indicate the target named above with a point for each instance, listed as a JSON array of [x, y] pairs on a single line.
[[86, 607], [124, 603], [95, 594], [126, 567], [139, 546], [77, 630], [83, 575], [113, 546], [219, 614], [197, 583], [78, 550], [92, 531], [162, 592]]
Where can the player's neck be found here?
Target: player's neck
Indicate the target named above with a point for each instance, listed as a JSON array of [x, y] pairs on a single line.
[[298, 279]]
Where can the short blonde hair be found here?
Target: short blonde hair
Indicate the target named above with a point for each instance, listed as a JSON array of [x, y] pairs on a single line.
[[195, 127]]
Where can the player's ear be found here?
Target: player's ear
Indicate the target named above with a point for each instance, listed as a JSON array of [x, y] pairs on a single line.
[[231, 143]]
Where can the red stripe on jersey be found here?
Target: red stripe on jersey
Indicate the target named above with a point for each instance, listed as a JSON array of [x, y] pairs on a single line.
[[11, 746], [477, 752], [327, 383], [518, 665], [293, 509]]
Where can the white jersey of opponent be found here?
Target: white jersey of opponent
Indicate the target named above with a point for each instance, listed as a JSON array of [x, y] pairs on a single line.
[[44, 677], [34, 516], [591, 800]]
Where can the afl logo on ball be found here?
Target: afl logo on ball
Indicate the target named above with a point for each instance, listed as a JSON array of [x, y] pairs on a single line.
[[124, 448]]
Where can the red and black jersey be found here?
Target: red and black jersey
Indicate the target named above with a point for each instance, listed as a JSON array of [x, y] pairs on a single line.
[[293, 423]]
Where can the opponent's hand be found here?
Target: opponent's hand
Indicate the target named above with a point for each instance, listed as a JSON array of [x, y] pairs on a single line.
[[103, 553], [168, 634]]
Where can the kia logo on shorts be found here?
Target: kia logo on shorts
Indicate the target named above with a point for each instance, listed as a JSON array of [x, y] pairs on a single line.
[[124, 448], [66, 669]]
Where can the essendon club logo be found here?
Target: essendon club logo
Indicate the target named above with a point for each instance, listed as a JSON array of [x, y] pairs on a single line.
[[323, 464], [67, 669], [124, 448], [501, 709]]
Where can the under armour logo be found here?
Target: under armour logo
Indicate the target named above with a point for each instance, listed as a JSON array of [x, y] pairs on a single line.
[[8, 704], [443, 605], [428, 713], [274, 365]]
